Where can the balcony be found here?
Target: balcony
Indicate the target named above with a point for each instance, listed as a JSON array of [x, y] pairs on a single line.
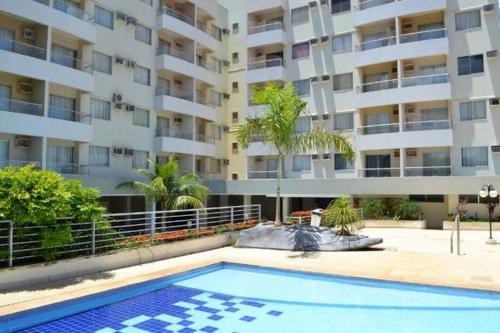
[[412, 45], [263, 174], [69, 115], [186, 26], [12, 105], [371, 11], [266, 70], [74, 63], [409, 90], [63, 16], [181, 144], [426, 171], [266, 34], [69, 169], [260, 5], [17, 163], [259, 148], [183, 102], [183, 63], [379, 172]]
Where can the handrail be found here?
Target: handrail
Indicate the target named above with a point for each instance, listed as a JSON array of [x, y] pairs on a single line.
[[11, 105], [162, 91], [167, 132], [376, 43], [189, 57], [75, 63], [69, 168], [266, 63], [378, 128], [379, 172], [70, 9], [56, 112], [164, 9], [372, 3], [422, 35], [378, 85], [428, 171], [425, 80], [12, 45], [424, 125], [265, 27]]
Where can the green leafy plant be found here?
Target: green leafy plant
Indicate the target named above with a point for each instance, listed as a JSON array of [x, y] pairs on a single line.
[[407, 209], [278, 128], [372, 208], [340, 214]]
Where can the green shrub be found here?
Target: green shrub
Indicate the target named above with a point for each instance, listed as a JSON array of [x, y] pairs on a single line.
[[407, 209], [372, 208], [340, 214]]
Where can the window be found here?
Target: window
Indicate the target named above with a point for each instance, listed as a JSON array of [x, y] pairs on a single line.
[[474, 156], [472, 110], [236, 58], [343, 121], [234, 147], [99, 156], [235, 117], [142, 75], [141, 117], [341, 163], [300, 50], [301, 163], [339, 6], [303, 125], [300, 15], [103, 17], [100, 109], [235, 87], [140, 159], [427, 198], [469, 198], [148, 2], [342, 81], [470, 64], [468, 20], [342, 43], [143, 34], [302, 87], [101, 62], [236, 28]]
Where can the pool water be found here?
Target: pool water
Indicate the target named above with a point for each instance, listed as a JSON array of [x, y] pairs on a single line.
[[246, 299]]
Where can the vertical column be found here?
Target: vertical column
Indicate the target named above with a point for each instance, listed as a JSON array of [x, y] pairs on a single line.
[[247, 201], [400, 73], [285, 208], [49, 43], [402, 161], [46, 98], [401, 116], [44, 153], [397, 29]]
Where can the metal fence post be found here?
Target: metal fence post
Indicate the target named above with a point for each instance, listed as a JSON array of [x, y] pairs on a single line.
[[152, 227], [11, 243], [232, 218], [93, 238], [197, 222]]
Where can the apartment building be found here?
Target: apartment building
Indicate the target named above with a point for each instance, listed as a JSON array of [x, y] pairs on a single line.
[[93, 88]]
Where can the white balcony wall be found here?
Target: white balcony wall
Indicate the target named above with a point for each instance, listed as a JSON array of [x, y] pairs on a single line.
[[182, 106], [183, 146], [165, 61], [184, 29], [260, 149], [414, 139], [277, 36], [259, 5], [277, 73], [210, 6]]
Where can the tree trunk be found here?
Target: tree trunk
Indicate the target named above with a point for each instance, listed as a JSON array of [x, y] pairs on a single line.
[[277, 221]]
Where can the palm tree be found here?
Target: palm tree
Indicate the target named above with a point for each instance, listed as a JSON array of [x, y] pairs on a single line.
[[278, 127]]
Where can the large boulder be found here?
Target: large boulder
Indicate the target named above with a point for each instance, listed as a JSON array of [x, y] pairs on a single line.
[[301, 238]]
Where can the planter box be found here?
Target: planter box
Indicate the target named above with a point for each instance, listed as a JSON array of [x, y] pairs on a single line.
[[420, 224], [24, 276], [447, 225]]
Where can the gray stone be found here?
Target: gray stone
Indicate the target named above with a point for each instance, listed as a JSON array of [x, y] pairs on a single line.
[[301, 238]]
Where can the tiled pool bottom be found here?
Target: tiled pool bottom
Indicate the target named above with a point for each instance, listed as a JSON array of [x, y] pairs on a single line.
[[175, 309]]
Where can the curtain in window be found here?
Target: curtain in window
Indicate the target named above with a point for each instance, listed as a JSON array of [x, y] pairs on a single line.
[[140, 159], [103, 17], [64, 56], [163, 126], [467, 20], [437, 160], [434, 114], [343, 121], [141, 75], [300, 15], [302, 87], [381, 118], [5, 94], [141, 117], [101, 62], [143, 34], [474, 156], [342, 81], [342, 43], [341, 163], [339, 6], [472, 110], [59, 158], [432, 70], [100, 109], [99, 156], [375, 40], [303, 125], [62, 107], [300, 50], [7, 38], [217, 98], [301, 162]]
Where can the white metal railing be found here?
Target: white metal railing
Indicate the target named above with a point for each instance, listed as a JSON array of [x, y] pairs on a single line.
[[173, 133], [428, 171], [17, 163], [379, 172], [64, 60], [69, 168], [266, 63], [12, 105], [265, 27], [372, 3], [264, 174], [70, 9], [11, 45], [177, 14], [376, 43], [378, 129], [422, 35], [425, 80], [162, 91], [23, 244], [69, 115], [378, 85], [179, 54], [427, 125]]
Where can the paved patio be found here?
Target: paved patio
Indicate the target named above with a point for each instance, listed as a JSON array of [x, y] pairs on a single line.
[[420, 256]]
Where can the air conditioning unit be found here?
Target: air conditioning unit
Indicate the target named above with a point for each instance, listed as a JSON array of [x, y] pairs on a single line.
[[225, 31], [323, 2], [395, 111], [327, 156], [396, 153], [225, 129], [315, 118], [313, 41], [118, 106], [131, 63], [394, 69], [29, 34], [226, 96], [120, 60], [492, 54], [325, 117], [226, 63], [259, 160], [410, 109], [315, 157], [494, 101], [325, 39], [23, 143], [313, 4], [325, 77], [411, 152], [489, 8], [25, 88], [258, 53], [225, 162], [177, 120], [409, 67], [179, 45], [178, 82], [407, 25], [117, 98], [314, 79], [130, 107], [121, 16], [131, 20], [117, 151], [128, 152], [495, 149]]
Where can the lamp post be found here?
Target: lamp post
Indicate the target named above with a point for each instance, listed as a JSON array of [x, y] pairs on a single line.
[[488, 191]]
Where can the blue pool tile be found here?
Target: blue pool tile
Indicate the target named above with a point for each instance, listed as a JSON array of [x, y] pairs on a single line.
[[274, 313], [135, 320], [209, 329], [228, 303], [247, 318], [206, 309], [252, 303], [186, 330], [153, 325], [232, 309], [215, 317], [185, 323], [195, 301], [221, 297]]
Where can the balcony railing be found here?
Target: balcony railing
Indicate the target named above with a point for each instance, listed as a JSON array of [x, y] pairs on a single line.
[[379, 85], [379, 172], [427, 125], [189, 57], [372, 3], [425, 80], [263, 174], [213, 33], [161, 91], [22, 48], [169, 133], [266, 64], [422, 35], [177, 14], [204, 64], [17, 163], [69, 168], [377, 43], [206, 175], [70, 9], [69, 115], [378, 129], [205, 138], [265, 27], [12, 105], [64, 60], [432, 171]]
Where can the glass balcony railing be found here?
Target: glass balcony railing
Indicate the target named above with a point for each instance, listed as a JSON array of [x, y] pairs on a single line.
[[73, 10], [265, 27], [205, 138], [69, 168], [64, 60], [162, 91], [425, 80], [22, 48], [189, 57], [428, 171], [69, 115], [379, 85], [177, 14], [365, 4], [167, 132], [266, 64], [378, 129], [427, 125], [422, 35], [263, 174], [379, 172], [11, 105], [377, 43], [17, 163]]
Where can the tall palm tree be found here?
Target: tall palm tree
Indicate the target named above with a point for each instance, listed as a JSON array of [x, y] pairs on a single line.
[[168, 187], [278, 127]]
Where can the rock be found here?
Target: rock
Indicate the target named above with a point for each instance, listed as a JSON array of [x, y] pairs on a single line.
[[301, 238]]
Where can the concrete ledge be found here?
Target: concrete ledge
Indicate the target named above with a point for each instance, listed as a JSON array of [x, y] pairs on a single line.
[[25, 276], [447, 225], [420, 224]]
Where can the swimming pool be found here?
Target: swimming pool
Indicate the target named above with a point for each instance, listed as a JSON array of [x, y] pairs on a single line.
[[245, 299]]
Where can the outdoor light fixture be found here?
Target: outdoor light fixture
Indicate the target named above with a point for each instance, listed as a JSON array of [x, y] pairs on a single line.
[[489, 192]]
